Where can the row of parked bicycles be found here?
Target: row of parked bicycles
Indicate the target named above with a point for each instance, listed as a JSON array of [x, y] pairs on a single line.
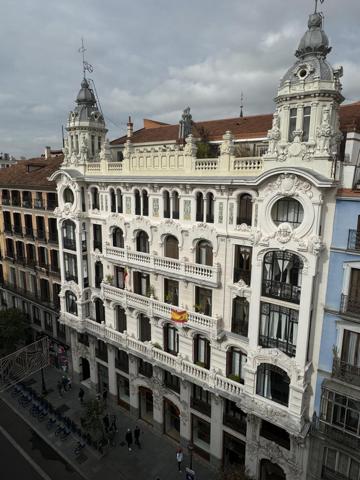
[[63, 426]]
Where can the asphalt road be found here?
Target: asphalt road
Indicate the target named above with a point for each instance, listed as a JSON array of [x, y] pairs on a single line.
[[24, 455]]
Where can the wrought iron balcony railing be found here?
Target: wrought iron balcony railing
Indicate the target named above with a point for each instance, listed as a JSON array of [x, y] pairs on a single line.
[[241, 274], [69, 243], [284, 346], [345, 371], [282, 291], [350, 305], [354, 240], [201, 406]]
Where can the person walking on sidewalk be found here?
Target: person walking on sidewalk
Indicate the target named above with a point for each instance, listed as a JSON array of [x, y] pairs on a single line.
[[106, 423], [137, 436], [179, 457], [129, 439], [59, 387], [113, 425], [104, 395], [81, 395]]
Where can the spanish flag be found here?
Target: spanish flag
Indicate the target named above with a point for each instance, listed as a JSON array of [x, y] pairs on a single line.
[[180, 316]]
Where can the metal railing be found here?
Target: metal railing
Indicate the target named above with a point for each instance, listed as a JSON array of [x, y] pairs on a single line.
[[350, 305], [269, 342], [354, 240], [201, 406], [241, 274], [282, 291], [345, 371]]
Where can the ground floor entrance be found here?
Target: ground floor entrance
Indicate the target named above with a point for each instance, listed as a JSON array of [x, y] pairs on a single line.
[[271, 471], [171, 420], [146, 406], [85, 369], [233, 452]]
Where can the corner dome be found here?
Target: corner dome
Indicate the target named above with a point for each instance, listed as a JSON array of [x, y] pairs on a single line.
[[85, 95], [315, 41]]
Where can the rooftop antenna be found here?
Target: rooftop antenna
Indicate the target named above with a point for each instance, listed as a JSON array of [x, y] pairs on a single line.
[[242, 105], [316, 4], [86, 66]]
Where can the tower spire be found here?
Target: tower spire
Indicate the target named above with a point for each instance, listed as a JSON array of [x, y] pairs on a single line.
[[241, 105], [316, 4], [86, 66]]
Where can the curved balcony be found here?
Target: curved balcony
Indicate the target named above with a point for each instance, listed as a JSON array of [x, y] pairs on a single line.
[[207, 275], [151, 307], [281, 291]]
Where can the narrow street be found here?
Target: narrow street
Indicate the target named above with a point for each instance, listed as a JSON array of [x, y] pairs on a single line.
[[24, 455]]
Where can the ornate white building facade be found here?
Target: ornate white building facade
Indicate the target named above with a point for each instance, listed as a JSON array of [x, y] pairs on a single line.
[[193, 287]]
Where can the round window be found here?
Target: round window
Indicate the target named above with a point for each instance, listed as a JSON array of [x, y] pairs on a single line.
[[288, 210], [68, 195], [303, 73]]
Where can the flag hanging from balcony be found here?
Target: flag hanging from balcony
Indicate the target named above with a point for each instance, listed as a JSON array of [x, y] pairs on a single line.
[[180, 316]]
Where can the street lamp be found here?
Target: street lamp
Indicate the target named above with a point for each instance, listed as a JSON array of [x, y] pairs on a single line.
[[191, 449]]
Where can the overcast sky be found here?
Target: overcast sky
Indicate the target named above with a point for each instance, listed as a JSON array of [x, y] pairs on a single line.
[[152, 58]]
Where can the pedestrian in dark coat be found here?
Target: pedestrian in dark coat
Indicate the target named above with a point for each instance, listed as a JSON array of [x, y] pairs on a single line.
[[106, 422], [113, 425], [129, 439], [59, 386], [81, 395], [137, 436]]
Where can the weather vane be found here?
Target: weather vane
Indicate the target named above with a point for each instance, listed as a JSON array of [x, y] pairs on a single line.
[[316, 4], [86, 66]]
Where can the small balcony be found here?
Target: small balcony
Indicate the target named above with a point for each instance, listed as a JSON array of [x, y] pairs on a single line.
[[71, 277], [236, 423], [242, 274], [69, 243], [354, 240], [346, 372], [207, 275], [269, 342], [282, 291], [330, 474], [350, 305], [338, 435]]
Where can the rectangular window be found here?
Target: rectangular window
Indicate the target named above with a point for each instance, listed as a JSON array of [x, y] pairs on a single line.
[[92, 145], [201, 433], [70, 267], [306, 124], [171, 292], [144, 328], [203, 300], [240, 316], [201, 400], [350, 352], [242, 264], [292, 123], [97, 237], [172, 381], [341, 412], [278, 328], [234, 417]]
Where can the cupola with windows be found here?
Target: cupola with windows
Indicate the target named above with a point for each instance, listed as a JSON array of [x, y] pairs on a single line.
[[306, 122], [86, 129]]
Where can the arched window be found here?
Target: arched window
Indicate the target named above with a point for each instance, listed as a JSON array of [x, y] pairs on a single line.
[[244, 214], [282, 276], [145, 202], [120, 319], [204, 253], [175, 205], [166, 200], [273, 383], [288, 210], [209, 207], [199, 207], [99, 274], [271, 471], [68, 229], [99, 310], [95, 204], [171, 247], [240, 316], [278, 328], [119, 200], [71, 305], [142, 242], [68, 195], [118, 238], [171, 339], [235, 362], [112, 200], [137, 202], [201, 351]]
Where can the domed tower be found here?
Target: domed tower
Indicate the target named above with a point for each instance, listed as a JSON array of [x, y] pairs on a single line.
[[86, 129], [305, 129]]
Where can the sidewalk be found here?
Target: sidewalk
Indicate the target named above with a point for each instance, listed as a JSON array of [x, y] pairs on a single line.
[[156, 458]]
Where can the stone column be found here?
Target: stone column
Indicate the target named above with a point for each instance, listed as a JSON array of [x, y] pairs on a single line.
[[216, 434], [252, 433], [185, 416], [158, 403], [112, 373], [94, 380], [75, 358], [304, 318], [134, 394]]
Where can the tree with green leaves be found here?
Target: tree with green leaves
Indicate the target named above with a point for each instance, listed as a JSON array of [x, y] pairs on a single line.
[[15, 331]]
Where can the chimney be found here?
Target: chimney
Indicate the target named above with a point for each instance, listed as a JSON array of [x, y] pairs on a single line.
[[47, 152], [130, 128]]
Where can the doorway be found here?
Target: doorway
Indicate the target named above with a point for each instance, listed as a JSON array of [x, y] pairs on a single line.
[[146, 406], [85, 369], [171, 420], [271, 471]]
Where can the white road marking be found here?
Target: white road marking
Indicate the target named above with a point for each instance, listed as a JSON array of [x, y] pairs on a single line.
[[34, 465]]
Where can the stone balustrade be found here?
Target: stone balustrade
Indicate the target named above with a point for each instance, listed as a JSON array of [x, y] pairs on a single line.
[[208, 275], [154, 308]]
